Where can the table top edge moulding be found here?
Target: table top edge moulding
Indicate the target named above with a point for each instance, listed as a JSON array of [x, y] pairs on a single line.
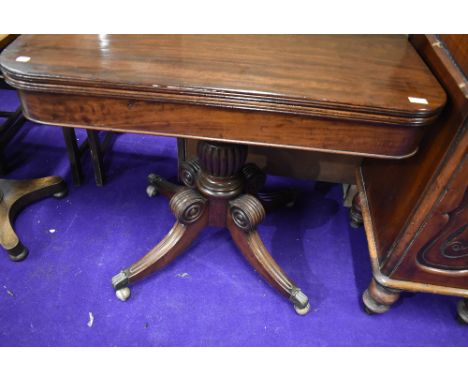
[[301, 75], [366, 96]]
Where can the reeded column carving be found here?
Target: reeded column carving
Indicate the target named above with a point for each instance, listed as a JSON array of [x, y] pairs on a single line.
[[220, 164]]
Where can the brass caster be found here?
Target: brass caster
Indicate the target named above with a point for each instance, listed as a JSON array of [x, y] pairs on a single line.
[[60, 194], [151, 191], [302, 311], [123, 294], [300, 301]]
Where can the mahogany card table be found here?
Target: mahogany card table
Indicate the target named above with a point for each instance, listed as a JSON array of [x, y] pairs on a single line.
[[367, 96]]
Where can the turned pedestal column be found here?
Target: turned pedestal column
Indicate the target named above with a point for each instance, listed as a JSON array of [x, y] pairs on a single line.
[[219, 190]]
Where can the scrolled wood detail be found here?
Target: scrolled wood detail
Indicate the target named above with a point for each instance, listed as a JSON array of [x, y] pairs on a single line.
[[187, 205], [247, 212], [456, 246], [189, 171], [448, 248]]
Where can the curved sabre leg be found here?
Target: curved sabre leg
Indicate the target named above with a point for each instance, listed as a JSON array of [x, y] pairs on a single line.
[[189, 208], [246, 212]]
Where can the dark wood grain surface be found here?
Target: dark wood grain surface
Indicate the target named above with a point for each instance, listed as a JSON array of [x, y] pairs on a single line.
[[457, 45], [366, 78], [417, 207]]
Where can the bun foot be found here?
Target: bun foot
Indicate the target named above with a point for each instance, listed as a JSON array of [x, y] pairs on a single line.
[[371, 306], [377, 299], [123, 294], [462, 311]]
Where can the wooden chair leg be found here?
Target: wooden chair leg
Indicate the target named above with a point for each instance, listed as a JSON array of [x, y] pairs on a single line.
[[189, 208], [73, 154], [10, 127], [14, 121], [96, 156], [245, 213], [14, 196]]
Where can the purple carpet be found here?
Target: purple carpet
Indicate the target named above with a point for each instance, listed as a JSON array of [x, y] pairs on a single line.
[[61, 295]]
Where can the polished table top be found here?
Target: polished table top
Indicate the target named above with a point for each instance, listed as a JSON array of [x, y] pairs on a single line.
[[309, 82]]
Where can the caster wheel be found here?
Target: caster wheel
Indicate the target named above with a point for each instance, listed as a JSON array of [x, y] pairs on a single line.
[[60, 195], [151, 191], [302, 311], [123, 294], [19, 253]]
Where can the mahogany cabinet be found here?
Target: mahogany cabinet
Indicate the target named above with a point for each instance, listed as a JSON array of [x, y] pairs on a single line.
[[415, 210]]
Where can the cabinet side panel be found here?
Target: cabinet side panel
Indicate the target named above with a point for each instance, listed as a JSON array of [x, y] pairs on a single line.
[[398, 192]]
